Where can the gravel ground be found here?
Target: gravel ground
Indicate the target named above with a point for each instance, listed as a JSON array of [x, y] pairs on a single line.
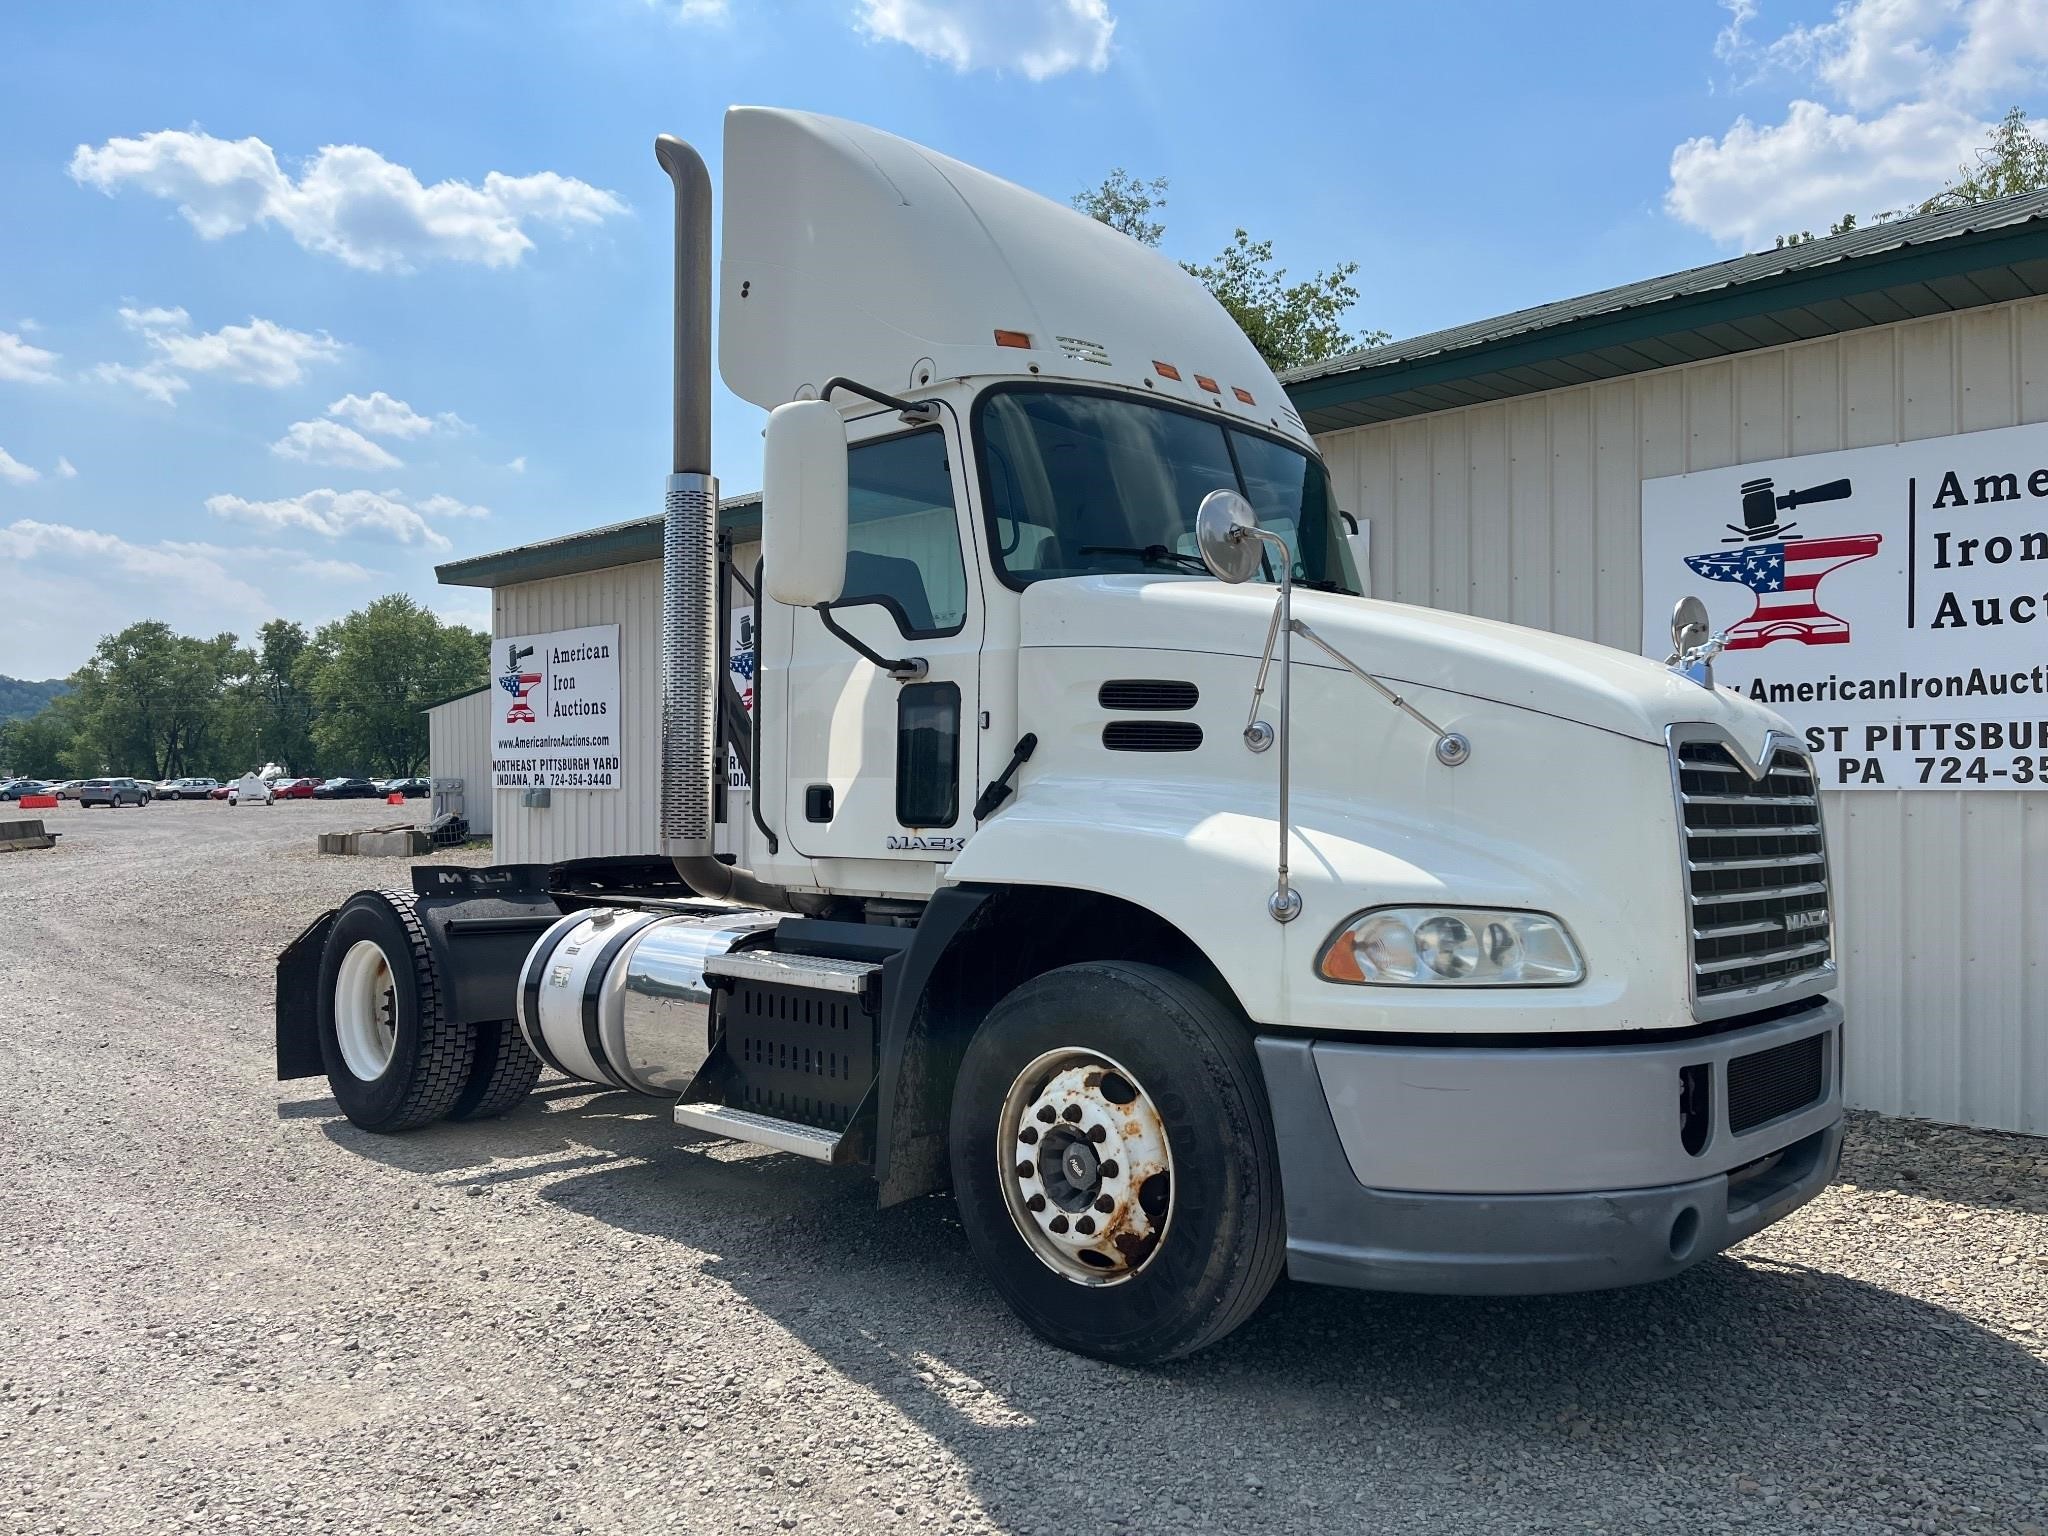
[[226, 1310]]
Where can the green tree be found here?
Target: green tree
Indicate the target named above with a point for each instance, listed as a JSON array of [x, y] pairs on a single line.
[[2012, 160], [1126, 204], [370, 676], [284, 707], [1290, 323], [156, 703], [39, 745]]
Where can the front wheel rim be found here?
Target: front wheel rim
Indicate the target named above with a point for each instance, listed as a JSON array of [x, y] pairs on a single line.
[[1086, 1166], [366, 1010]]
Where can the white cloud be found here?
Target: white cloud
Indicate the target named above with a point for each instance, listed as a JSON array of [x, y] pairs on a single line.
[[1890, 98], [1039, 38], [152, 379], [319, 567], [382, 416], [348, 202], [448, 506], [335, 514], [67, 586], [329, 442], [518, 465], [714, 11], [261, 352], [22, 363], [65, 470], [14, 472]]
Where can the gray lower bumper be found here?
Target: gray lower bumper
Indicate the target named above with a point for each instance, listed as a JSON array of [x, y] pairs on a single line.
[[1341, 1231]]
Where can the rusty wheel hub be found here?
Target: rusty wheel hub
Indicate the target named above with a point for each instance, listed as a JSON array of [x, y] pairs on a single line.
[[1087, 1172]]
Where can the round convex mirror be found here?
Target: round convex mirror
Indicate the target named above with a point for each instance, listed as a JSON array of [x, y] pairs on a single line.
[[1688, 624], [1226, 534]]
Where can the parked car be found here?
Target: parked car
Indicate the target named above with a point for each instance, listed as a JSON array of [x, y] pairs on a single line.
[[19, 787], [196, 789], [346, 789], [66, 789], [294, 789], [221, 792], [165, 789], [112, 793], [412, 789]]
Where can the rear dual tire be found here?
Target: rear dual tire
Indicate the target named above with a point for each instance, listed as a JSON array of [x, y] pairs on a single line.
[[395, 1061]]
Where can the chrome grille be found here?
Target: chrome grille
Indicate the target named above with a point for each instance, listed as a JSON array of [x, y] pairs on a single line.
[[1755, 869]]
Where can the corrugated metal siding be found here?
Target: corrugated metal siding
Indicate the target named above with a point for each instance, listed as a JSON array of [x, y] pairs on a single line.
[[597, 823], [459, 747], [1530, 510], [593, 823]]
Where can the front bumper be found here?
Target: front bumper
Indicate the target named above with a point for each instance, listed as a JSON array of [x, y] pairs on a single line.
[[1526, 1170]]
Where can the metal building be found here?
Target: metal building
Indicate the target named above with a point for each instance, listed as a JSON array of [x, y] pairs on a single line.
[[1500, 468], [609, 575], [459, 749]]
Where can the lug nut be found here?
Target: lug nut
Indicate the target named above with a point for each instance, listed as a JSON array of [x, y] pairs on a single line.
[[1098, 1134], [1073, 1112], [1025, 1170], [1045, 1114], [1085, 1226], [1029, 1135], [1104, 1204], [1108, 1169], [1058, 1223], [1035, 1203]]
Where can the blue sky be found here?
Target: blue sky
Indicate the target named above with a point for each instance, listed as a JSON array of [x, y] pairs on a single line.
[[296, 301]]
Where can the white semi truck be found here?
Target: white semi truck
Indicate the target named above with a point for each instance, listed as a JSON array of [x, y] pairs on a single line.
[[1109, 859]]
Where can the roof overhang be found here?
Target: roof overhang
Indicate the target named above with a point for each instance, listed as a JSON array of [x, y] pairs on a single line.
[[1588, 340], [598, 549]]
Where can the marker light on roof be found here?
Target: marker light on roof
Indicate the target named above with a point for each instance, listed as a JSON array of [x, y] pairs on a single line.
[[1203, 381], [1013, 339], [1243, 394], [1165, 370]]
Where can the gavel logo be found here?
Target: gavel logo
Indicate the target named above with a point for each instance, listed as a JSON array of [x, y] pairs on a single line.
[[1783, 569], [1761, 506]]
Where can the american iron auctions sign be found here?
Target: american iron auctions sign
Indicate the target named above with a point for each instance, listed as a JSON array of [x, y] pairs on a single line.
[[1891, 602], [555, 720]]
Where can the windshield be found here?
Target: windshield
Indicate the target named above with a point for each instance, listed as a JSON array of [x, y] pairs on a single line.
[[1080, 484]]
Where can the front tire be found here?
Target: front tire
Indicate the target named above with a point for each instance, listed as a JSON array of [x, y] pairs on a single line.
[[1114, 1162], [394, 1060]]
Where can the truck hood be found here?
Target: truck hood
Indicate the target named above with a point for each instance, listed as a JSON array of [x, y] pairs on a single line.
[[1480, 659]]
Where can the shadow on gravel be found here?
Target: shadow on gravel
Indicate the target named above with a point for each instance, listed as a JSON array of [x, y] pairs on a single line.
[[1816, 1384]]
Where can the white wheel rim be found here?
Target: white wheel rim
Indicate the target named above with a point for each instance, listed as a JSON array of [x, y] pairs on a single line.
[[365, 1010], [1087, 1172]]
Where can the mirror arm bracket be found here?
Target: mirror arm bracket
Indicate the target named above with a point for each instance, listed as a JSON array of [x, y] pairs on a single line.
[[915, 412], [909, 669]]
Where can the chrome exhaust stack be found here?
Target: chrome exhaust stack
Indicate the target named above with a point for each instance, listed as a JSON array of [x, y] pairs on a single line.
[[689, 561]]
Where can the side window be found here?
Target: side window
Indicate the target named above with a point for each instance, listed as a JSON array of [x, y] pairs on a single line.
[[903, 535]]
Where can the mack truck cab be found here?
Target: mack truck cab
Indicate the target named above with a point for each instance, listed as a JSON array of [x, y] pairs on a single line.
[[1108, 858]]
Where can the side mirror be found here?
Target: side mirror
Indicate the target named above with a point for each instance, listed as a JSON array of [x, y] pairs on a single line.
[[1227, 534], [1688, 625], [803, 504]]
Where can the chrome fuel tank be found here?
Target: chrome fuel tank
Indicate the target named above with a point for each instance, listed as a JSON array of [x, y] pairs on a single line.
[[616, 995]]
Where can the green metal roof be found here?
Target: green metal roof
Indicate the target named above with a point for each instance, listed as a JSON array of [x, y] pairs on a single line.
[[1900, 270], [597, 549]]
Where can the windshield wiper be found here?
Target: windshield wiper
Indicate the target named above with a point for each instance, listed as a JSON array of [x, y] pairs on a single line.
[[1151, 554]]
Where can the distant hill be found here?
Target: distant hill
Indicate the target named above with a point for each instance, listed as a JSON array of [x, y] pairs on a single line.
[[20, 698]]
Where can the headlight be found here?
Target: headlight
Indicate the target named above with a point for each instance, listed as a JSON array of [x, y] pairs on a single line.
[[1451, 946]]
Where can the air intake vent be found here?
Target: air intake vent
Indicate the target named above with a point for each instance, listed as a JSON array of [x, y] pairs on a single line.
[[1756, 870], [1774, 1083], [1151, 735], [1147, 693]]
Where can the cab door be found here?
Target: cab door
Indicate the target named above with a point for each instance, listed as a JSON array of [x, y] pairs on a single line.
[[880, 769]]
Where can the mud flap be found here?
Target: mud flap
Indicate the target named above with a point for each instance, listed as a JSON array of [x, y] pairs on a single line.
[[298, 1002]]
